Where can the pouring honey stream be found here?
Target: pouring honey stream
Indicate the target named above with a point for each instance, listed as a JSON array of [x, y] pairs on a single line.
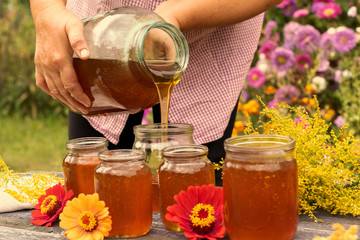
[[136, 59]]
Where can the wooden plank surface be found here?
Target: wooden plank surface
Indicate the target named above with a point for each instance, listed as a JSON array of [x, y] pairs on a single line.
[[16, 225]]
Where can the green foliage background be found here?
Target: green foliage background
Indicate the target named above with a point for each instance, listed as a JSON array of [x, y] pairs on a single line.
[[18, 90]]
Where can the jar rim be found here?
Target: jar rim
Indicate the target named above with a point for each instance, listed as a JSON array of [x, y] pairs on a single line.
[[175, 34], [183, 151], [160, 127], [87, 143], [122, 155], [250, 143]]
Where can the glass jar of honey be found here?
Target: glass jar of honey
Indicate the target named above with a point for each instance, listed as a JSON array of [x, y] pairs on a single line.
[[123, 182], [131, 50], [260, 187], [182, 166], [80, 162], [152, 138]]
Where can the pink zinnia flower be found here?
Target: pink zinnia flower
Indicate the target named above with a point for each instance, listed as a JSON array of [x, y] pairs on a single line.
[[272, 104], [256, 77], [300, 13], [307, 38], [344, 40], [303, 62], [282, 59], [286, 94], [288, 7], [267, 48], [340, 121], [199, 211], [329, 10]]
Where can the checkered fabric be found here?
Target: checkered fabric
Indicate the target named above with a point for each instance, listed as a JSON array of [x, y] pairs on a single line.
[[219, 59]]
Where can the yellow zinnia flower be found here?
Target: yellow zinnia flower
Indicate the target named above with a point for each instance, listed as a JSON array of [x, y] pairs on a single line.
[[86, 217]]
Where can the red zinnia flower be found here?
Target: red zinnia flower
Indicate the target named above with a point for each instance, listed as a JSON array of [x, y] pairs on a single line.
[[50, 205], [199, 211]]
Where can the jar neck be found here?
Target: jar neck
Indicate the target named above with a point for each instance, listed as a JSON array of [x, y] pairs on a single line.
[[122, 156], [87, 145], [160, 129], [160, 37], [260, 147], [185, 153]]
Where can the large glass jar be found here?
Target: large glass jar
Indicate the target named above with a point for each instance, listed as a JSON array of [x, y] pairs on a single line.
[[131, 48], [260, 187], [80, 162], [123, 182], [182, 166], [152, 138]]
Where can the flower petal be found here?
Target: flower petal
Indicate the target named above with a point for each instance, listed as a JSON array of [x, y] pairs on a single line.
[[177, 210], [75, 233], [206, 193]]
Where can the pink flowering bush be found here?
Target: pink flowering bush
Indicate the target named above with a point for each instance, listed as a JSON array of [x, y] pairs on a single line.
[[309, 48]]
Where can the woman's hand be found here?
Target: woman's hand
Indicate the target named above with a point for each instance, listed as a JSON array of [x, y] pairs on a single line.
[[59, 34]]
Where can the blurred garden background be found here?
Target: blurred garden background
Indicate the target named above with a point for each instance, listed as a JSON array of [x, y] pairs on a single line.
[[306, 48]]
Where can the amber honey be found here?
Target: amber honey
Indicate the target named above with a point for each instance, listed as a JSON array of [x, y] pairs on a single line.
[[80, 177], [183, 166], [125, 187], [80, 162], [260, 192], [155, 193], [115, 86]]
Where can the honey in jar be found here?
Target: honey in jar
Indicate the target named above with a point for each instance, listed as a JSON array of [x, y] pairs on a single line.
[[182, 166], [260, 187], [123, 182], [135, 58], [80, 162]]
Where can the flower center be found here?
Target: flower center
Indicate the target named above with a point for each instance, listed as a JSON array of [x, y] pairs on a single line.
[[50, 205], [329, 12], [202, 218], [255, 77], [87, 221], [343, 40], [281, 60]]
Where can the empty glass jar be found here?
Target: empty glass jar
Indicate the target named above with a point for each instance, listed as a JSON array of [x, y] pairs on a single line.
[[152, 138]]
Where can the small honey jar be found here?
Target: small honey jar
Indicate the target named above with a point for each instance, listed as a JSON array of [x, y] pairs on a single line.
[[80, 162], [260, 187], [123, 182], [182, 166]]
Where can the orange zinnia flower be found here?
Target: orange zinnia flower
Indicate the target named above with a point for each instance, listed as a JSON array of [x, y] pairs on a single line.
[[86, 217], [50, 205]]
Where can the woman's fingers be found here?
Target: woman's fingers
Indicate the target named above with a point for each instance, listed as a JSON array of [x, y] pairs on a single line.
[[59, 33], [75, 32], [73, 87]]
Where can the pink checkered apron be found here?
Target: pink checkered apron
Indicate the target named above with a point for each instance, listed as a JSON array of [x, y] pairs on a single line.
[[206, 95]]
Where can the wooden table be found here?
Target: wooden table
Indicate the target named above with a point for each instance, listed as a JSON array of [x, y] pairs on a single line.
[[16, 226]]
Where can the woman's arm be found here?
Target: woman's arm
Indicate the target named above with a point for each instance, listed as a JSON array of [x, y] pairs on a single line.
[[59, 33], [191, 14]]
